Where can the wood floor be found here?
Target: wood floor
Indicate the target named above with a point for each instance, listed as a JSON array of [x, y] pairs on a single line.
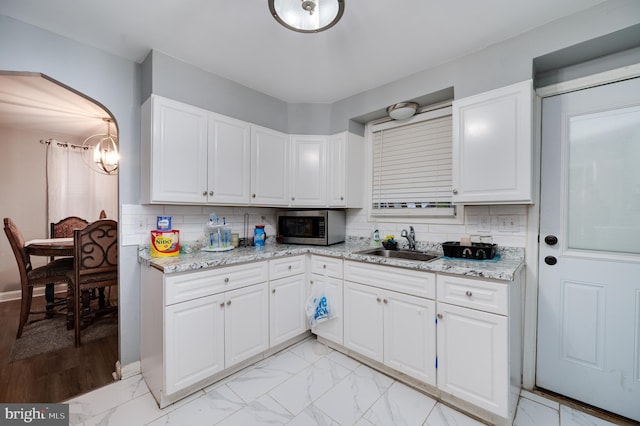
[[54, 376]]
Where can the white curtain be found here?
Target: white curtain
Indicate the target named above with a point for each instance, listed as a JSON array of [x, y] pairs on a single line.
[[74, 189]]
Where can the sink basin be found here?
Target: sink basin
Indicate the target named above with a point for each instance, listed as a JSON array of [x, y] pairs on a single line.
[[400, 254]]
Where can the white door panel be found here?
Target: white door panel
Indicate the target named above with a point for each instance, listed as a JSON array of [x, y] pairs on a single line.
[[588, 311]]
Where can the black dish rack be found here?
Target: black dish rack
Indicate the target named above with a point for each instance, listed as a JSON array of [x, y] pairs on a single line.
[[478, 251]]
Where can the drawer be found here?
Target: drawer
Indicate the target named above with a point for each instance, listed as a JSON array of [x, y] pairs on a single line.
[[483, 295], [409, 281], [191, 285], [286, 267], [328, 266]]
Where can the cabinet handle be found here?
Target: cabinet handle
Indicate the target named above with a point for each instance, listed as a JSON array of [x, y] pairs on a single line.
[[289, 267], [226, 280], [385, 301], [439, 316], [455, 191], [222, 305], [293, 198], [210, 192], [228, 302], [311, 282], [324, 266], [378, 299], [253, 195], [204, 193], [273, 291], [468, 293], [341, 198]]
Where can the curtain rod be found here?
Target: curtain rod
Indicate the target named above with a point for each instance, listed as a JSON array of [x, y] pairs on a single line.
[[62, 144]]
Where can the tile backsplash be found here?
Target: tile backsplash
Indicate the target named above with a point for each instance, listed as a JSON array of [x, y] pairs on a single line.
[[138, 220]]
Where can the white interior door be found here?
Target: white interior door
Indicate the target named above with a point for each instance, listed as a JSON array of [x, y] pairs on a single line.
[[589, 293]]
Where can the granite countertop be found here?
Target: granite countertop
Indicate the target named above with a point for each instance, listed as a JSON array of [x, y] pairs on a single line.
[[504, 266]]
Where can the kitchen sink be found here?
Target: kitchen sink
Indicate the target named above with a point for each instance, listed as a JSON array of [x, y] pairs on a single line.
[[400, 254]]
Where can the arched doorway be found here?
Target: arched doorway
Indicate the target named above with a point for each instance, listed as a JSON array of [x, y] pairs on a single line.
[[35, 108]]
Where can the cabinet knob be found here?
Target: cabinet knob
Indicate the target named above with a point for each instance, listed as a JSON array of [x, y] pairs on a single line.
[[468, 293], [210, 192], [439, 316], [289, 267], [341, 198], [455, 191], [293, 198], [273, 291], [226, 280], [222, 305], [228, 302], [385, 301], [204, 193], [311, 282], [253, 195], [378, 299], [324, 266]]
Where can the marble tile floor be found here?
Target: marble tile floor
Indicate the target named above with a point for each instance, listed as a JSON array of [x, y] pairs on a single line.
[[307, 384]]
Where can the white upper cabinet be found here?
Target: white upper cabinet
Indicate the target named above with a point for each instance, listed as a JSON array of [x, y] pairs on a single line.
[[269, 167], [308, 171], [345, 168], [174, 152], [229, 171], [492, 146]]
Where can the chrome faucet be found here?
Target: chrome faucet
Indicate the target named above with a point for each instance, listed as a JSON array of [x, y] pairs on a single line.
[[410, 236]]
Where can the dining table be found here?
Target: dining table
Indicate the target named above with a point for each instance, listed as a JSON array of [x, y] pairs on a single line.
[[50, 247]]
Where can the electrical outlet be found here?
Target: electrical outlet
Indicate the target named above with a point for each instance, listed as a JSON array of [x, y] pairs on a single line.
[[140, 224], [484, 224], [507, 223]]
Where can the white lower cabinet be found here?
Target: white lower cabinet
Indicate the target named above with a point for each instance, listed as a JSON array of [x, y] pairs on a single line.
[[193, 355], [246, 323], [331, 329], [286, 303], [388, 326], [479, 342]]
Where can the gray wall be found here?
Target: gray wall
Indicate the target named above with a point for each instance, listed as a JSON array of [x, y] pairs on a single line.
[[117, 84]]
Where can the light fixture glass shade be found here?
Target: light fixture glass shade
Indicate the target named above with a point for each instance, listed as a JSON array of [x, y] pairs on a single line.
[[402, 110], [101, 151], [307, 16]]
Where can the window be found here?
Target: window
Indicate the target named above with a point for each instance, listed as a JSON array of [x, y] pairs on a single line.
[[412, 166]]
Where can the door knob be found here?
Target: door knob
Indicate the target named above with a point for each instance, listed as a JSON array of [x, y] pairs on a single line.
[[552, 240], [550, 260]]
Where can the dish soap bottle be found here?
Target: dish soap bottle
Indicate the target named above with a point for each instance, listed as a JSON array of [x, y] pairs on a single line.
[[375, 236]]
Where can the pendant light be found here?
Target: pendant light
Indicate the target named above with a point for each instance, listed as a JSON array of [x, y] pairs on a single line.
[[307, 16], [101, 151]]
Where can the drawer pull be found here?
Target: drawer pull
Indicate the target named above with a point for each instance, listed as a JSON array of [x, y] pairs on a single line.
[[324, 266], [378, 299], [439, 316], [226, 280], [290, 267], [273, 291], [311, 282], [222, 305], [468, 293], [228, 302], [385, 301]]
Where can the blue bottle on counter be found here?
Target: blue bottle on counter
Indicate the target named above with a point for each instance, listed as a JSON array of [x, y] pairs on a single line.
[[259, 236]]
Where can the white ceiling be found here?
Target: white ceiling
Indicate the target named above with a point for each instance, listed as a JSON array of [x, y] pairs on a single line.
[[376, 42]]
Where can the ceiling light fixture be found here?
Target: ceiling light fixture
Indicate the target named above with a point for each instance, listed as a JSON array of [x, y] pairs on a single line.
[[101, 151], [307, 16], [402, 110]]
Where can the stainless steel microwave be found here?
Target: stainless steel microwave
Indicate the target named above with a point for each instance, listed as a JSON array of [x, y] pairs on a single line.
[[315, 227]]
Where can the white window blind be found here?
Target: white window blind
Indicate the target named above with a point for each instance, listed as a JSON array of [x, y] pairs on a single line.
[[412, 168]]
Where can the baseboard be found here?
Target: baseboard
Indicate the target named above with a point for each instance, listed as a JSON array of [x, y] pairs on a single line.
[[129, 370], [38, 291]]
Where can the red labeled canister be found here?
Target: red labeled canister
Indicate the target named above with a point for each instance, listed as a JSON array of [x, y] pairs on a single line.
[[165, 243]]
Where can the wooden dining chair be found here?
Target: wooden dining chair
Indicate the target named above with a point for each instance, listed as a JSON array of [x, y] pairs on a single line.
[[52, 273], [65, 227], [96, 266]]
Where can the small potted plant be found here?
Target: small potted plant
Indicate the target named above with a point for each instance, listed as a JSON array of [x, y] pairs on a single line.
[[390, 242]]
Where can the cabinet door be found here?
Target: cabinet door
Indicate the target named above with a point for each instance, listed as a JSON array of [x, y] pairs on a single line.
[[363, 320], [473, 357], [410, 335], [229, 160], [308, 171], [286, 308], [178, 152], [270, 167], [194, 341], [246, 318], [492, 146], [331, 329], [336, 170]]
